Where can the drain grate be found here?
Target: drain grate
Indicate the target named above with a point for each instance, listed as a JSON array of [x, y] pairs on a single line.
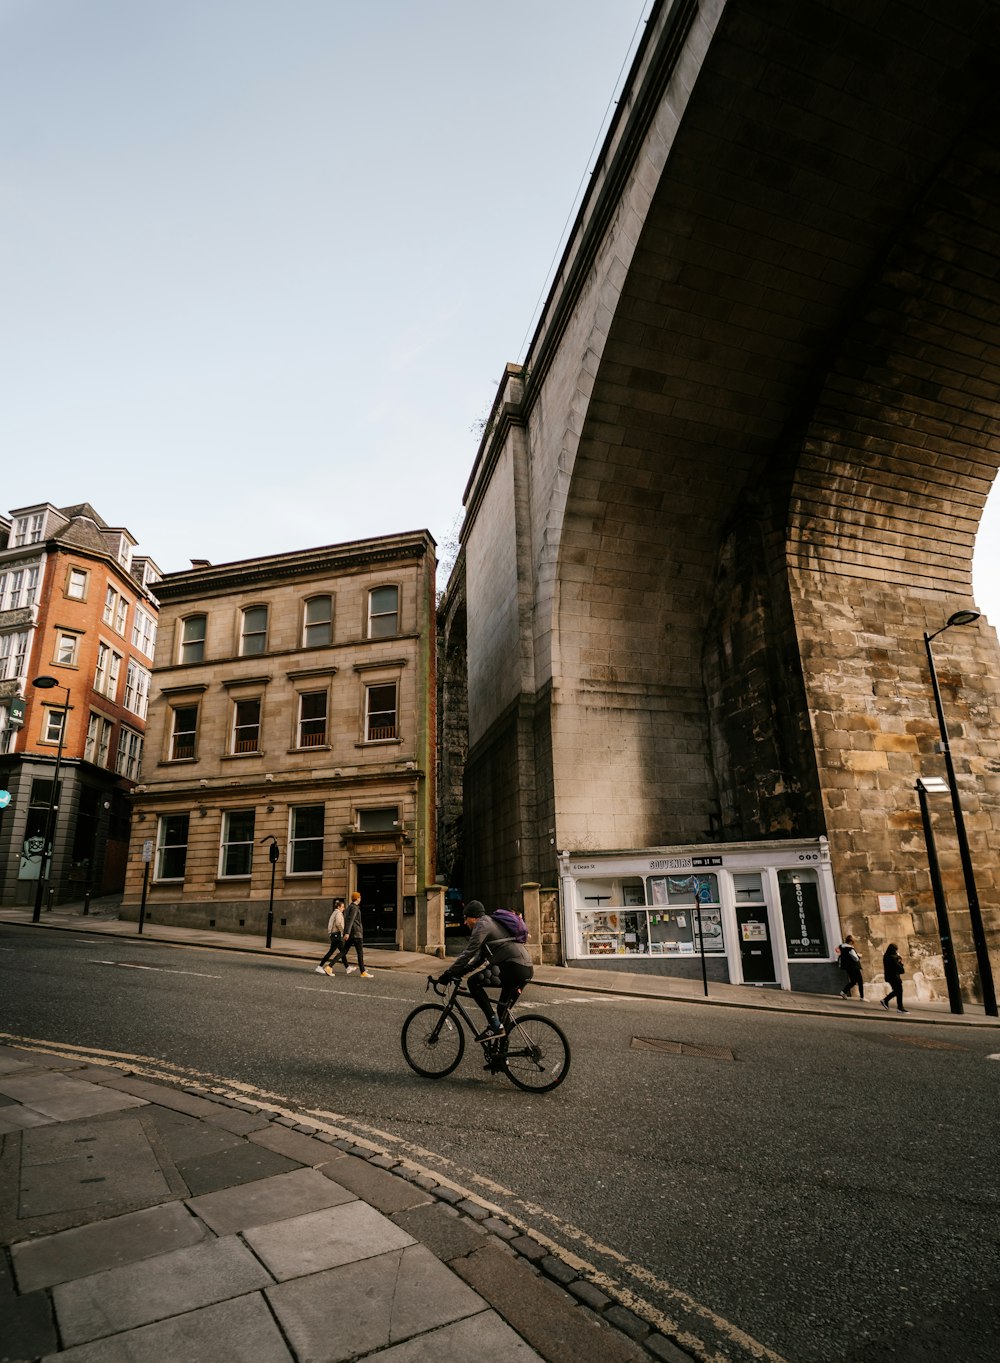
[[654, 1043]]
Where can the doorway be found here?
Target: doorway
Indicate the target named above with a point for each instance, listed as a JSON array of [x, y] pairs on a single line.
[[755, 944], [376, 882]]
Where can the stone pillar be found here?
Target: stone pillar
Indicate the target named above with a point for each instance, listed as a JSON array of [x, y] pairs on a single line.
[[430, 921], [532, 914]]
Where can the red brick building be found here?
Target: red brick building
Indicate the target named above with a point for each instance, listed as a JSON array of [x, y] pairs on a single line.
[[76, 607]]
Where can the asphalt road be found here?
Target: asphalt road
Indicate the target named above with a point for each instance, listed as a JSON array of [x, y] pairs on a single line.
[[829, 1193]]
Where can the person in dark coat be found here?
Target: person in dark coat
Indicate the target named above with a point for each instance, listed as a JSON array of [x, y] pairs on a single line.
[[492, 946], [850, 963], [335, 929], [892, 964], [354, 937]]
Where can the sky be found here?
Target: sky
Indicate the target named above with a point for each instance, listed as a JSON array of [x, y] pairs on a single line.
[[262, 262]]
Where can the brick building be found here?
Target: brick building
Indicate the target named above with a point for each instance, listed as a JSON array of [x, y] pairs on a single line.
[[77, 607], [293, 706]]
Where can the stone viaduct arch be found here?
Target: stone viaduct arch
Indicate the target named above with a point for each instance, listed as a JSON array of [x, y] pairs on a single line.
[[742, 468]]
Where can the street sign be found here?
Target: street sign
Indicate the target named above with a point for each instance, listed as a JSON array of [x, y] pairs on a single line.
[[4, 798], [15, 712], [147, 850]]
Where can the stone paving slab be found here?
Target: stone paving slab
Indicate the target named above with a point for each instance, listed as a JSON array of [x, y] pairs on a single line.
[[361, 1307], [163, 1095], [121, 1299], [231, 1332], [478, 1339], [388, 1192], [325, 1239], [185, 1137], [104, 1244], [554, 1326], [443, 1232], [19, 1118], [240, 1123], [243, 1163], [64, 1097], [269, 1199], [303, 1149], [79, 1165]]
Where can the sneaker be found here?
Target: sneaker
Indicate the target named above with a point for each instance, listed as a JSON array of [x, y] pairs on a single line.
[[351, 969], [367, 975], [320, 969], [490, 1034], [885, 1002], [328, 969], [843, 995], [904, 1010]]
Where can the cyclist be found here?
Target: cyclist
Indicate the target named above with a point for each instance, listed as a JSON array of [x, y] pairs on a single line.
[[490, 944]]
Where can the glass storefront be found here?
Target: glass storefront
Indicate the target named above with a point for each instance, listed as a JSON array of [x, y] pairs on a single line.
[[760, 910]]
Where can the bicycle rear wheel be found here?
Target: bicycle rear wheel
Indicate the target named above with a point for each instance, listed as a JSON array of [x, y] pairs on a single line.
[[433, 1041], [537, 1057]]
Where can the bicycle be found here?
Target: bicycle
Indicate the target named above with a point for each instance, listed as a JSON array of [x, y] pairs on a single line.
[[533, 1052]]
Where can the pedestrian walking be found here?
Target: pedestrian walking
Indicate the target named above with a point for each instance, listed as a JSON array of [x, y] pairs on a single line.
[[354, 937], [335, 929], [892, 964], [849, 961]]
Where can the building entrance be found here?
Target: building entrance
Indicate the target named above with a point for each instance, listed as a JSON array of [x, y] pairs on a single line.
[[376, 882], [755, 944]]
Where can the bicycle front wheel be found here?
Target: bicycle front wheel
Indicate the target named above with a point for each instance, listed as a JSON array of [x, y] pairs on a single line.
[[433, 1040], [537, 1056]]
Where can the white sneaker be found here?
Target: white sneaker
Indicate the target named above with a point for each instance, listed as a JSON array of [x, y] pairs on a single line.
[[351, 969], [367, 975], [319, 970], [328, 970]]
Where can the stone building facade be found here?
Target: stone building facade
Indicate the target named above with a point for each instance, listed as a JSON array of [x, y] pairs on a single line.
[[293, 708], [77, 606]]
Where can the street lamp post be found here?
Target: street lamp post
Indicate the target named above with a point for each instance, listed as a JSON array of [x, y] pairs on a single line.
[[46, 684], [971, 893], [933, 785]]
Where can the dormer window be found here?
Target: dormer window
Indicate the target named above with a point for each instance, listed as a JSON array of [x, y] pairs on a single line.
[[27, 529]]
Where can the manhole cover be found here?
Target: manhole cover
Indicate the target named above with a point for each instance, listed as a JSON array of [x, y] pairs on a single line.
[[653, 1043], [928, 1045]]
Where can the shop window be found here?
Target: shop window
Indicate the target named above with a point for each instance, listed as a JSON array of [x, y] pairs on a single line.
[[236, 854], [246, 726], [193, 639], [184, 732], [305, 840], [318, 622], [253, 631], [676, 905], [380, 712], [171, 846], [805, 934], [383, 612], [312, 719]]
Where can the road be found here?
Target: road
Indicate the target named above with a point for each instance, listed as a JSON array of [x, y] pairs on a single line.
[[831, 1192]]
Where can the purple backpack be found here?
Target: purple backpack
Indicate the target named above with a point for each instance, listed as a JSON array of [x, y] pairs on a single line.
[[513, 922]]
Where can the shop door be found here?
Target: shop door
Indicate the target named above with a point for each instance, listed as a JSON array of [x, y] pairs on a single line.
[[376, 883], [755, 944]]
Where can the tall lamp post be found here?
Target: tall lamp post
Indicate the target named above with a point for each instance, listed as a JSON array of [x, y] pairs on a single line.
[[47, 684], [933, 785], [971, 893]]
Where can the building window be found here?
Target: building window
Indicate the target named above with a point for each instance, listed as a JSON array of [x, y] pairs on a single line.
[[136, 688], [305, 840], [76, 584], [7, 731], [143, 632], [18, 588], [382, 820], [121, 615], [129, 754], [107, 671], [193, 639], [183, 733], [13, 655], [66, 649], [236, 856], [111, 596], [312, 719], [253, 631], [171, 846], [52, 727], [246, 726], [27, 529], [98, 743], [383, 612], [318, 628], [380, 712]]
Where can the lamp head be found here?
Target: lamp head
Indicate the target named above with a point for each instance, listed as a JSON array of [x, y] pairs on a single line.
[[962, 618], [46, 683]]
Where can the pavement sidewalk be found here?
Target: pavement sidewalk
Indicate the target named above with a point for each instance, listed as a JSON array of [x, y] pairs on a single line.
[[141, 1221], [632, 984]]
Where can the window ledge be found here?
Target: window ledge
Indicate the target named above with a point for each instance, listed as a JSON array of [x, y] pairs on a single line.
[[241, 756]]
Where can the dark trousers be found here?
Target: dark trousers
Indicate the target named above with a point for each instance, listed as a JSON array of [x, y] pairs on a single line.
[[359, 951], [895, 983], [513, 978], [336, 947], [854, 978]]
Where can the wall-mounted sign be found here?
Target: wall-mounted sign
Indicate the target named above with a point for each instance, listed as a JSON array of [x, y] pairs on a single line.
[[888, 903]]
